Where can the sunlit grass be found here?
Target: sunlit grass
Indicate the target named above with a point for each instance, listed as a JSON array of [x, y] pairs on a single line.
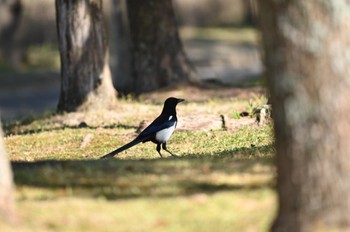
[[241, 210]]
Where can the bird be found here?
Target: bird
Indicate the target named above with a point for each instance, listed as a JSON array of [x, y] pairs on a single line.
[[158, 132]]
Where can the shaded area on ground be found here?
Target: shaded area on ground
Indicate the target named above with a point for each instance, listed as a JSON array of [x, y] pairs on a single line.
[[25, 94], [118, 179]]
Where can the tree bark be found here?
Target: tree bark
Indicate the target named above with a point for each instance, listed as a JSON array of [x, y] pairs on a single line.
[[158, 58], [7, 200], [307, 50], [85, 75], [119, 28]]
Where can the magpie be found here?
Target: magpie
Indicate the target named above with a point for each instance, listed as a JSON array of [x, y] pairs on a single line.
[[158, 132]]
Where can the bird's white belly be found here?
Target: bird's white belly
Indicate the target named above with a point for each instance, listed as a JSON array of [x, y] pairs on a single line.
[[164, 135]]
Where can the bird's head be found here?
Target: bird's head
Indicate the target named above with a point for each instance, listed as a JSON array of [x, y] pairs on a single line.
[[172, 101], [170, 105]]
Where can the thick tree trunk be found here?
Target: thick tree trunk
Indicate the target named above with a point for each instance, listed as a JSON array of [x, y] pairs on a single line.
[[158, 58], [307, 48], [85, 75], [7, 199]]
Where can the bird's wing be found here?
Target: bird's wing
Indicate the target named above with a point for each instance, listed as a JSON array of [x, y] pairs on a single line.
[[156, 126], [144, 136]]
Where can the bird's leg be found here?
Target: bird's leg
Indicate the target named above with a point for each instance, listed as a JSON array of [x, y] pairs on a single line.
[[158, 149], [164, 148]]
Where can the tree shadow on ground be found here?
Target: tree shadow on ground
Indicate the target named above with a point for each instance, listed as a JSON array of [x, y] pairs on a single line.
[[123, 179], [12, 129]]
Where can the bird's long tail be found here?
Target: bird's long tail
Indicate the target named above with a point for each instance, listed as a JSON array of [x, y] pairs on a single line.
[[122, 148]]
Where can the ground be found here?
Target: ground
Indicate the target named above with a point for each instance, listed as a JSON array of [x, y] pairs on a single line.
[[222, 179]]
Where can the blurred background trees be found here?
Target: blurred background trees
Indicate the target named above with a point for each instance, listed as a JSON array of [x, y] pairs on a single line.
[[31, 45], [25, 28], [29, 25], [10, 15]]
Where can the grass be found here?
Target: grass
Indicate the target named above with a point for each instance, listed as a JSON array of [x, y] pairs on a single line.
[[221, 181], [229, 34], [42, 57]]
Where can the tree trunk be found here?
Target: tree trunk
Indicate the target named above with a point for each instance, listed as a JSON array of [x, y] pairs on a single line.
[[7, 200], [121, 48], [10, 16], [250, 12], [85, 75], [158, 58], [307, 50]]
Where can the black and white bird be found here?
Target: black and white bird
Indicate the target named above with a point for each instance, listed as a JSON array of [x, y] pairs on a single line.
[[158, 132]]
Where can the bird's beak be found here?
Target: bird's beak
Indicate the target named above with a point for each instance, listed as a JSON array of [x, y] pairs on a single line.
[[180, 100]]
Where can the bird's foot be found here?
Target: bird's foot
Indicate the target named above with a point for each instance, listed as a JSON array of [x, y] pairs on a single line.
[[160, 154], [174, 156]]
